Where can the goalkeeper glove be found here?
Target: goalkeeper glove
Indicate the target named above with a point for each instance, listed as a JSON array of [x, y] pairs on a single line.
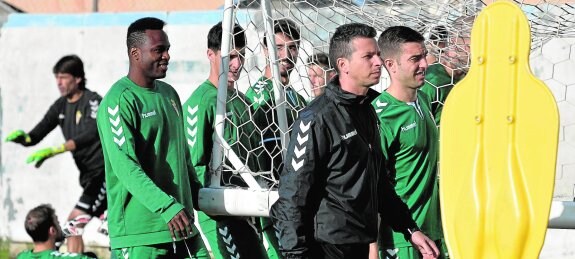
[[39, 156], [18, 136]]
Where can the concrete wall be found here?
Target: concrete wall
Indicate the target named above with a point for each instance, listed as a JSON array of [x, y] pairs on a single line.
[[31, 44]]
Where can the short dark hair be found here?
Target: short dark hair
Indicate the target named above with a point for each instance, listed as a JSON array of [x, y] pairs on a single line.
[[392, 38], [438, 34], [319, 59], [215, 37], [38, 222], [73, 65], [137, 30], [287, 27], [340, 42]]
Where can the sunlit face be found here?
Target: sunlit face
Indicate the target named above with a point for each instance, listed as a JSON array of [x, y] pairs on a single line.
[[235, 65], [67, 84], [409, 68], [287, 51], [318, 77], [365, 62], [154, 54]]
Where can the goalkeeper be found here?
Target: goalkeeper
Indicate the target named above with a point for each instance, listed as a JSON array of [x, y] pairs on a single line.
[[75, 112]]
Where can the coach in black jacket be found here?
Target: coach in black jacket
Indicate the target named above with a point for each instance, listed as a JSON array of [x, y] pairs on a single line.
[[333, 183]]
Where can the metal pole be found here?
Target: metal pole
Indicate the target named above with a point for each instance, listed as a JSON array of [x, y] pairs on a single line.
[[279, 93], [217, 150], [220, 144]]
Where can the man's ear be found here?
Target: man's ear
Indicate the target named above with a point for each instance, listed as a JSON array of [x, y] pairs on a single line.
[[211, 55], [78, 80], [135, 53], [52, 231], [342, 65], [265, 49], [389, 64]]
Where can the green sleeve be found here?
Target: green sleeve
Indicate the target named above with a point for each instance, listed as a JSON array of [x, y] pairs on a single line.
[[386, 139], [199, 121], [116, 124], [195, 184]]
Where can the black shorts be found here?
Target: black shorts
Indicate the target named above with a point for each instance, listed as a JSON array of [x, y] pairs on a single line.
[[93, 200]]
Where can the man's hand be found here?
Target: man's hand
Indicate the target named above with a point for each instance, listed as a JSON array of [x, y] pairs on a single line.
[[41, 155], [18, 136], [181, 225], [373, 251], [426, 246]]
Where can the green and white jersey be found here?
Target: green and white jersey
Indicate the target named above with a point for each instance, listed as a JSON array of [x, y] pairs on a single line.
[[239, 130], [437, 86], [261, 95], [148, 175], [49, 254], [409, 140]]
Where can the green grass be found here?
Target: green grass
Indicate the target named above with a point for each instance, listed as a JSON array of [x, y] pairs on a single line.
[[4, 248]]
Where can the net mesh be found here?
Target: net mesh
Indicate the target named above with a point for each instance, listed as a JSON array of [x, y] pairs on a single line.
[[446, 26]]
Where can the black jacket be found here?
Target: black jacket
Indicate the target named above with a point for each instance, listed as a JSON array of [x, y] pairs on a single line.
[[333, 180], [78, 122]]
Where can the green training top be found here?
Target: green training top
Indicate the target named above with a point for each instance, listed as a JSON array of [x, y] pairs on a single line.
[[148, 175], [239, 130], [409, 140], [262, 96], [49, 254], [437, 86]]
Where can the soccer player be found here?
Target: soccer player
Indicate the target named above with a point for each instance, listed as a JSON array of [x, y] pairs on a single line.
[[229, 237], [333, 183], [152, 186], [409, 139], [75, 113], [262, 97], [320, 72], [451, 67], [43, 226]]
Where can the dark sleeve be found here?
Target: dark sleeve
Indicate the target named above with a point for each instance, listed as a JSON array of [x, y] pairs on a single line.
[[47, 124], [90, 133], [294, 211], [393, 211]]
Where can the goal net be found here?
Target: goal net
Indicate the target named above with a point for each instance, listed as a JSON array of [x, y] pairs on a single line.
[[276, 80]]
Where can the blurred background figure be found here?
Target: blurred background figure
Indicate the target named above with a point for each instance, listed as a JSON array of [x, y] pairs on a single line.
[[43, 226], [75, 112], [320, 72]]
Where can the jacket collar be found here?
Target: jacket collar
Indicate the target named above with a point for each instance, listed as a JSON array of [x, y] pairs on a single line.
[[334, 91]]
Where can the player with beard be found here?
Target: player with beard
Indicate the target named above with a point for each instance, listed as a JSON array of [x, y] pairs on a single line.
[[409, 140], [75, 112], [262, 97], [228, 236], [43, 226]]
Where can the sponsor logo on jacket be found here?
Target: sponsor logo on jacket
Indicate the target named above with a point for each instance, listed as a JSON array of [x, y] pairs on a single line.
[[349, 135], [408, 127], [149, 114]]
